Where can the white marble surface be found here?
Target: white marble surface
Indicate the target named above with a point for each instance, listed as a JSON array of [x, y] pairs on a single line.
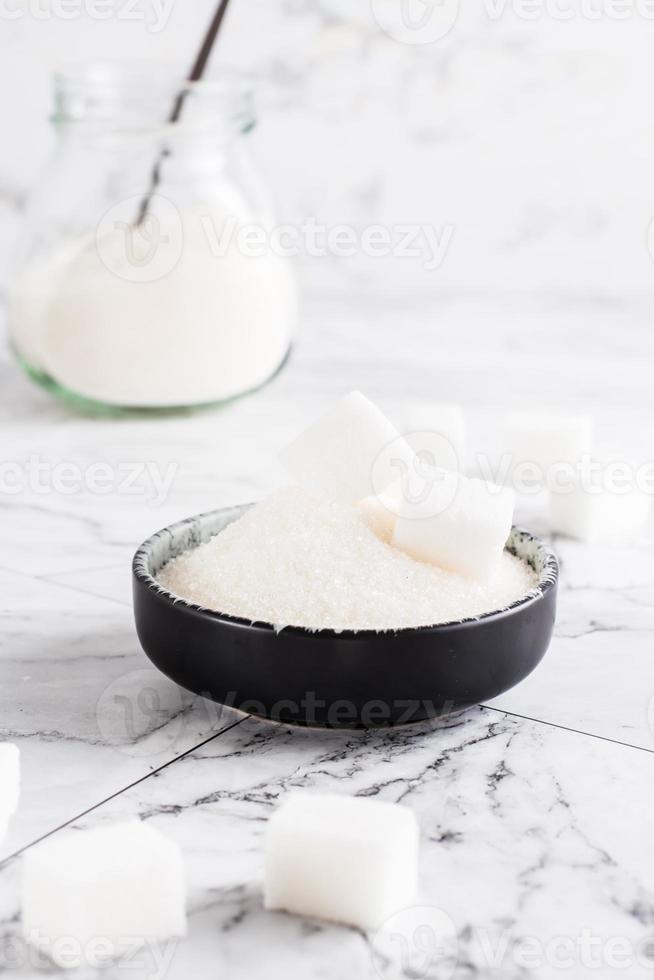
[[534, 810]]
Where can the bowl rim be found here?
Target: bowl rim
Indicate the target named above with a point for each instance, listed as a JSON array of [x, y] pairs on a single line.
[[548, 579]]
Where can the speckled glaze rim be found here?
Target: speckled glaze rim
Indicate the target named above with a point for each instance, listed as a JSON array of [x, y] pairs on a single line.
[[191, 532]]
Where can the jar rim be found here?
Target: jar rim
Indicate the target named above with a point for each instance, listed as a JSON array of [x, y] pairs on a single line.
[[128, 97]]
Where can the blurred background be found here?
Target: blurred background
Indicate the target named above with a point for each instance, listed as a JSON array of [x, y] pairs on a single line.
[[525, 128]]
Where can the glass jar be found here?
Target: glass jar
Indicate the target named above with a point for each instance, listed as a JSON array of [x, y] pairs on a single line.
[[149, 277]]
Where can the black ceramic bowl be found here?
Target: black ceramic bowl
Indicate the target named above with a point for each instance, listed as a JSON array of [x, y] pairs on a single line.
[[330, 679]]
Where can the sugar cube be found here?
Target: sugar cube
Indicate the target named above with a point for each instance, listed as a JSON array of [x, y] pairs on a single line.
[[379, 513], [341, 858], [457, 523], [546, 438], [107, 885], [350, 453], [9, 782], [600, 516], [437, 428]]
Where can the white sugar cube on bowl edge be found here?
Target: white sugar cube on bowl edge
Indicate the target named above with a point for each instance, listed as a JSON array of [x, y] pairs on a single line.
[[458, 523]]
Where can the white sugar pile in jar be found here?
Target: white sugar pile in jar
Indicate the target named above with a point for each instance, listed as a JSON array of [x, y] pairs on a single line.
[[297, 560], [122, 321]]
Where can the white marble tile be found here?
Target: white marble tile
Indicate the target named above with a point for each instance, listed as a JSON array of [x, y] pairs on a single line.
[[530, 835], [78, 696], [113, 583], [597, 677]]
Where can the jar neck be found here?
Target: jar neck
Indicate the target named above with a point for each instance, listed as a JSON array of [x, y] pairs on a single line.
[[115, 101]]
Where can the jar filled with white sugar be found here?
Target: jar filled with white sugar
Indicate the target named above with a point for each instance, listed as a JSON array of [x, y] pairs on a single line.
[[151, 275]]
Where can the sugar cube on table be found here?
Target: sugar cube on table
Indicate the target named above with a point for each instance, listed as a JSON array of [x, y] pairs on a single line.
[[350, 453], [102, 886], [547, 438], [602, 516], [457, 523], [341, 858], [437, 428], [9, 783]]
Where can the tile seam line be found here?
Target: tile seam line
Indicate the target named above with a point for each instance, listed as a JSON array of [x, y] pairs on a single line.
[[114, 566], [512, 714], [136, 782], [566, 728], [76, 588]]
